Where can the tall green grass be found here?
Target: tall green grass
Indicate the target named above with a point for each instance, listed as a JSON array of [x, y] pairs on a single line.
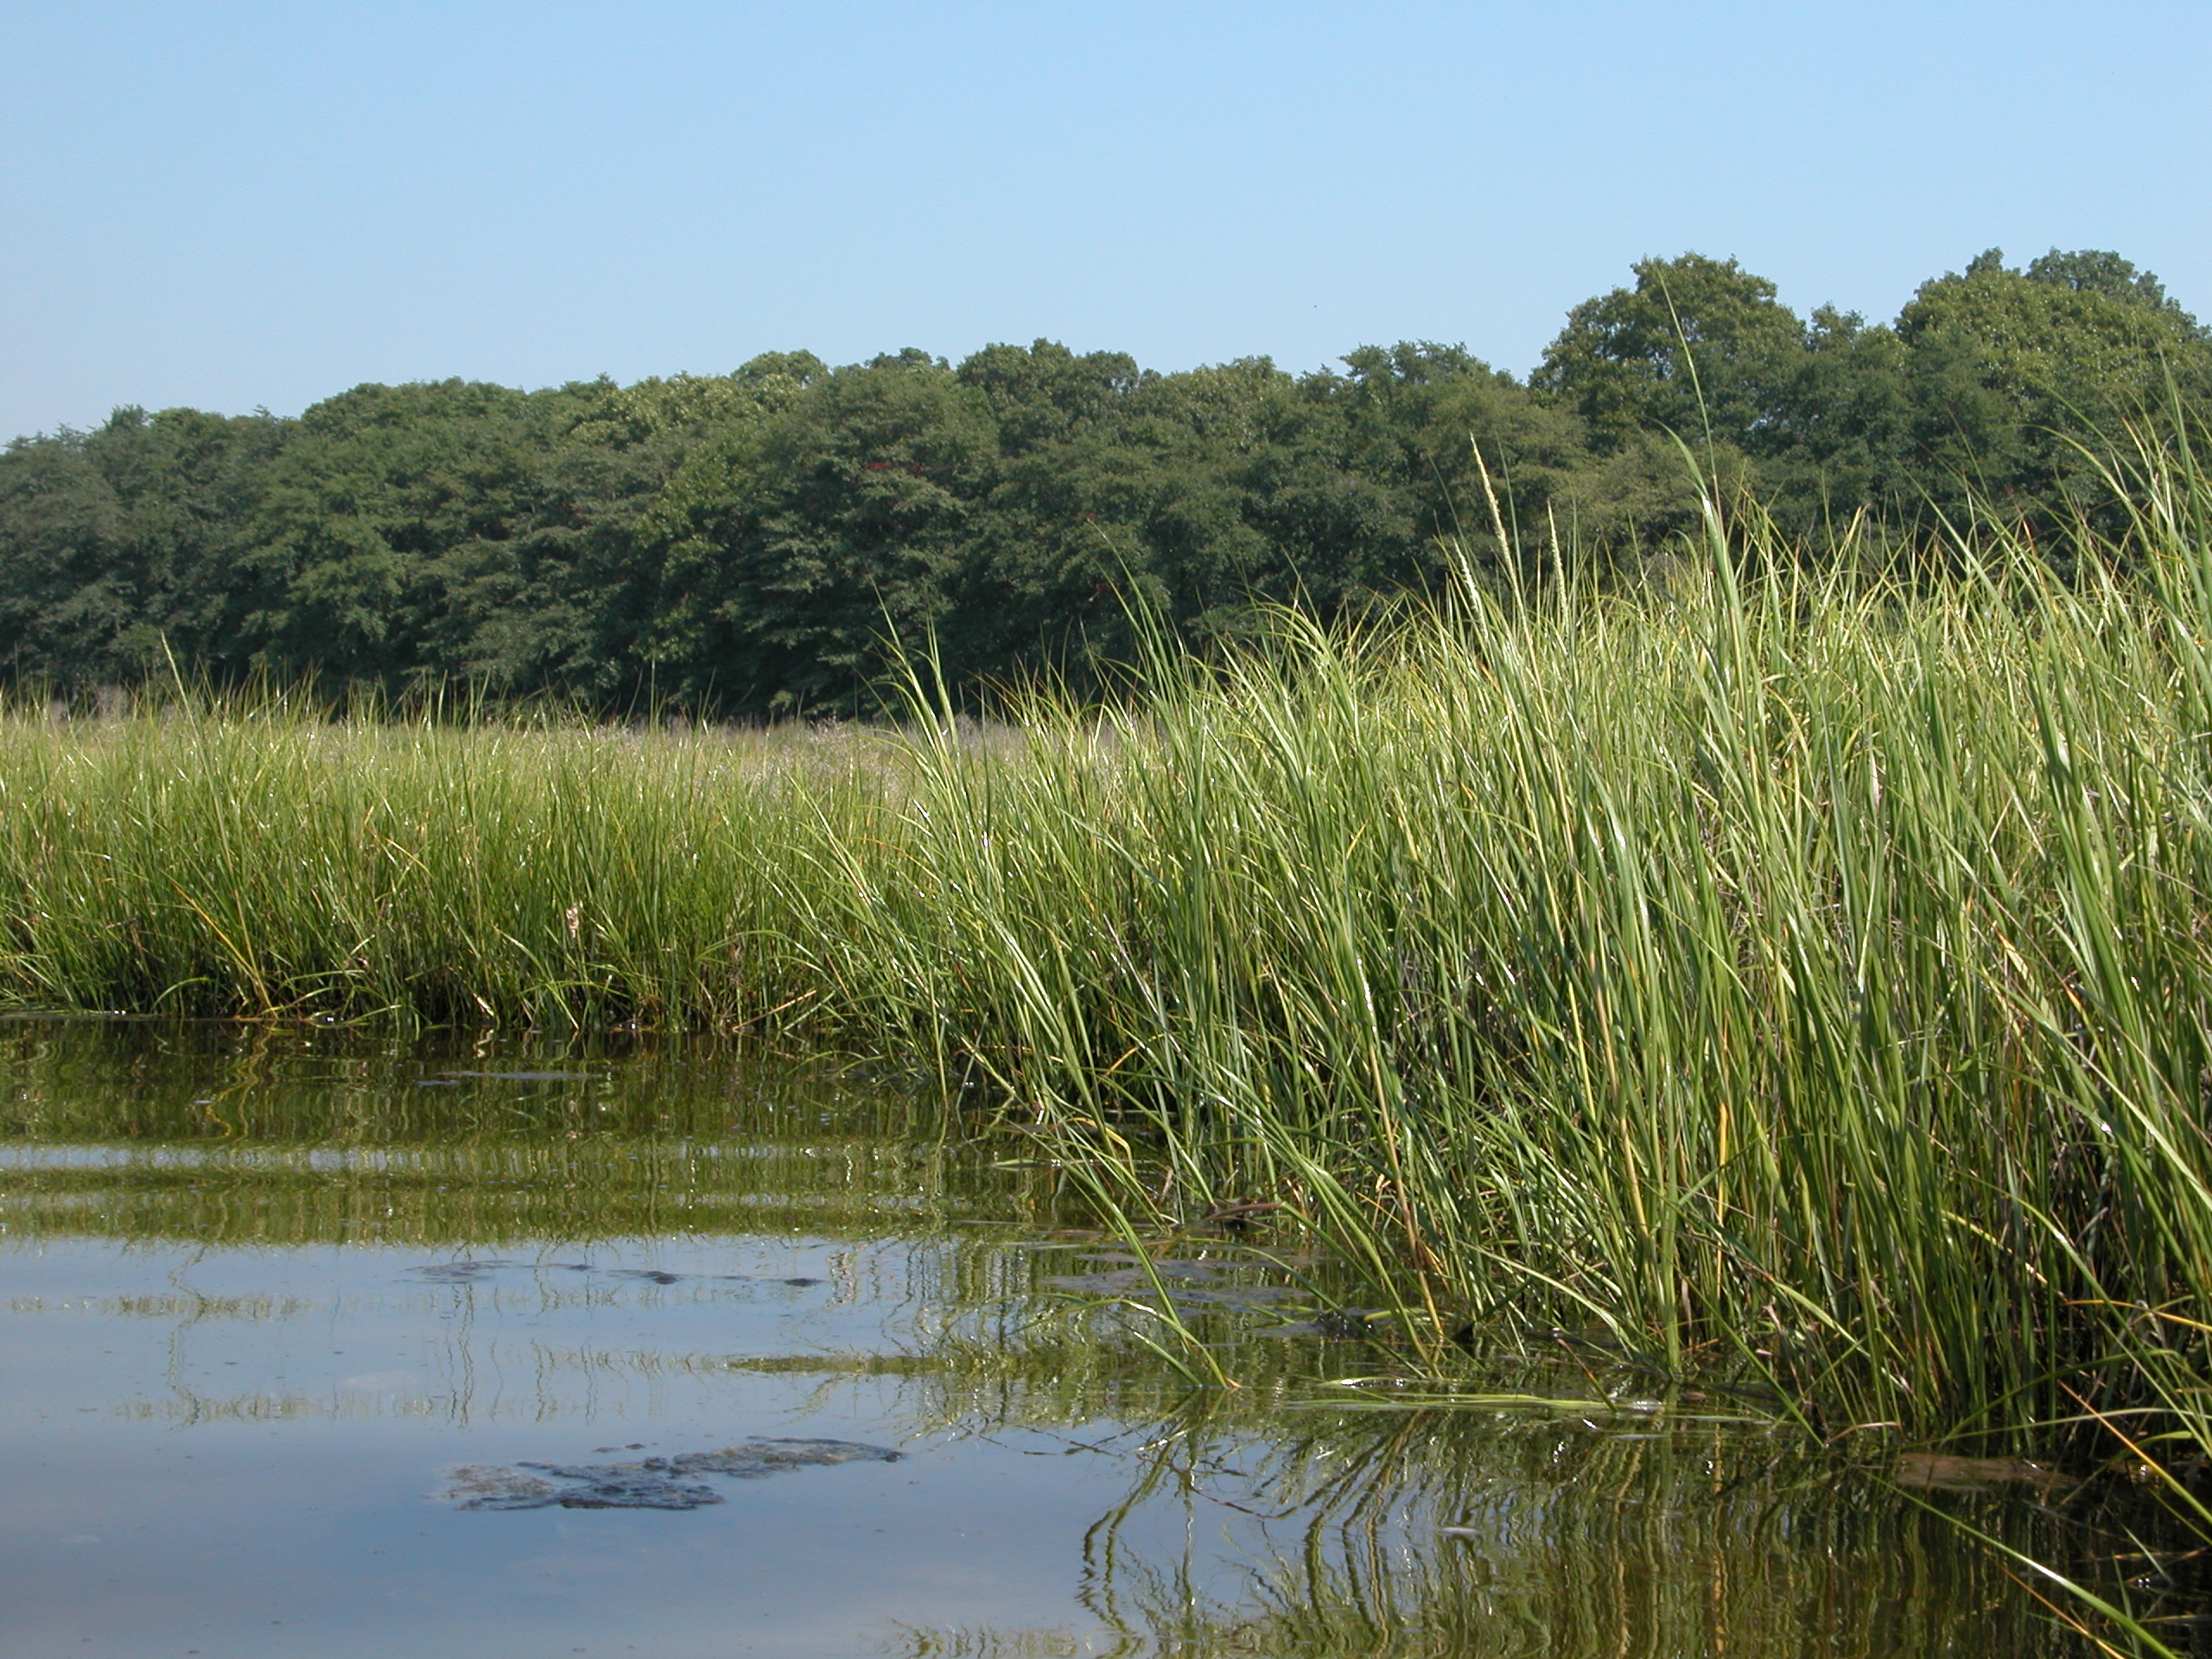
[[1806, 972], [266, 861]]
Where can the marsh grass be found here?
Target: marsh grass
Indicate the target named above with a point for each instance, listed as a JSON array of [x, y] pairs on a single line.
[[1801, 972], [1797, 971], [272, 861]]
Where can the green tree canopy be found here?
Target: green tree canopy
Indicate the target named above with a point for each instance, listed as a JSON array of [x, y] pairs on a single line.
[[749, 542], [1698, 345]]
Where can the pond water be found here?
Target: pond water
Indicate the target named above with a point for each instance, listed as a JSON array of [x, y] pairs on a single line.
[[266, 1292]]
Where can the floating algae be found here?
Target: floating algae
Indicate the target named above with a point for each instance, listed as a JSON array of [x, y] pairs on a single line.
[[1937, 1472], [468, 1271], [573, 1486], [647, 1483], [459, 1273], [520, 1076]]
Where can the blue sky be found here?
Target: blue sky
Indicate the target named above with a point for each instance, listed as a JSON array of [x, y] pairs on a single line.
[[242, 205]]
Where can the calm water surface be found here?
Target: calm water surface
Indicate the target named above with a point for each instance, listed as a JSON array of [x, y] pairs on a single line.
[[263, 1294]]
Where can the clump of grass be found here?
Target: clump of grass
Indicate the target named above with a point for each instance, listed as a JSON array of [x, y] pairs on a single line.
[[1810, 972], [273, 861]]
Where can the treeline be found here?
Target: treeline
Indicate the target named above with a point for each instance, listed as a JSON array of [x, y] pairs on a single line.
[[742, 544]]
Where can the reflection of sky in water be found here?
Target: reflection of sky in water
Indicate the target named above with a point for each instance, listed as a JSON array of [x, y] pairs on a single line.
[[242, 1339], [196, 1337], [322, 1394]]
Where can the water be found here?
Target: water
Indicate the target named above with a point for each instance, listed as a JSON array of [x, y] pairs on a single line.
[[265, 1291]]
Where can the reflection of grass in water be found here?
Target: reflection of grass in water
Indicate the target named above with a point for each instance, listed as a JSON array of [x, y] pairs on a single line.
[[168, 1307], [1570, 1544], [1630, 1533], [221, 1137], [459, 1197]]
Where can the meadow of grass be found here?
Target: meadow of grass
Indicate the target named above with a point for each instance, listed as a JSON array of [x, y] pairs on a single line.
[[1809, 973]]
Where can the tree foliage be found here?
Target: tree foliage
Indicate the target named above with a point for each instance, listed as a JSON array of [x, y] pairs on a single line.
[[748, 543]]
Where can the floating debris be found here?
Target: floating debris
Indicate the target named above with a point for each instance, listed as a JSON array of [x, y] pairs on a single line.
[[1192, 1286], [1132, 1278], [498, 1486], [584, 1486], [1345, 1325], [1238, 1298], [1334, 1325], [1237, 1218], [470, 1271], [526, 1076], [1938, 1471], [646, 1483], [458, 1272]]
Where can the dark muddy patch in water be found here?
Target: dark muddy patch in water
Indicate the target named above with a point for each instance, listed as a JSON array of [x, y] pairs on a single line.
[[647, 1483]]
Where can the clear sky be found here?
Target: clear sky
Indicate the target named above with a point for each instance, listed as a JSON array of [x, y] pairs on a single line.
[[234, 204]]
